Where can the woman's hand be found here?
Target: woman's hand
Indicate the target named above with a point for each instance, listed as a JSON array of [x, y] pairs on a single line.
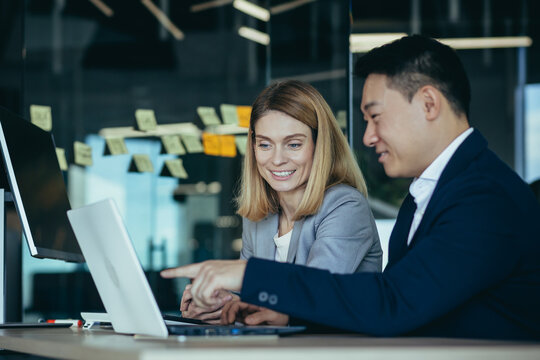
[[211, 315], [251, 314]]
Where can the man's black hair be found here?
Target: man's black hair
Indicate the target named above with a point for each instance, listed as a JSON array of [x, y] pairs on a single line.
[[415, 61]]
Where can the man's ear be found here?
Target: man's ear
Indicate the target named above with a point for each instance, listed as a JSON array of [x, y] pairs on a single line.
[[431, 100]]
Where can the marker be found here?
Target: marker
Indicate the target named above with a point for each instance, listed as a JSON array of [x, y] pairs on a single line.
[[77, 323]]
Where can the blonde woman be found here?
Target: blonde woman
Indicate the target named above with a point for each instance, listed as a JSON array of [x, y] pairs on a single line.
[[302, 195]]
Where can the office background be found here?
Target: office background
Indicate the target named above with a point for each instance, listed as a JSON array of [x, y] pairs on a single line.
[[95, 62]]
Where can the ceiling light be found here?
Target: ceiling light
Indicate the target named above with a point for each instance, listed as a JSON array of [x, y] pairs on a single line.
[[209, 5], [254, 35], [104, 8], [488, 42], [281, 8], [360, 43], [252, 10], [163, 19]]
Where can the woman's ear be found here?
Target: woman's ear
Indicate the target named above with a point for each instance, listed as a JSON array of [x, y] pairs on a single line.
[[431, 99]]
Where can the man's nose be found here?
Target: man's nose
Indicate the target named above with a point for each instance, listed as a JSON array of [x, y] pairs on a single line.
[[370, 135]]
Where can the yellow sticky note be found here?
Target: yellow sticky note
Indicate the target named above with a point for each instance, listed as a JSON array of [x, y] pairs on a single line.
[[227, 146], [211, 144], [176, 168], [61, 155], [41, 116], [143, 163], [115, 146], [172, 144], [244, 113], [229, 114], [83, 154], [208, 115], [192, 143], [241, 144], [341, 118], [146, 119]]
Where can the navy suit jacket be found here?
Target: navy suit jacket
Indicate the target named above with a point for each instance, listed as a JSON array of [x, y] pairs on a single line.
[[472, 268]]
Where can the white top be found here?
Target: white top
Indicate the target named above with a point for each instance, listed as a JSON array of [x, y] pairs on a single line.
[[422, 187], [282, 246]]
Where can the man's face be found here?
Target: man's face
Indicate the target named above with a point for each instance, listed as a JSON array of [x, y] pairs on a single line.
[[396, 128]]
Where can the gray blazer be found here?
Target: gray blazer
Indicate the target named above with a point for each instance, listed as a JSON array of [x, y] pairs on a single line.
[[341, 237]]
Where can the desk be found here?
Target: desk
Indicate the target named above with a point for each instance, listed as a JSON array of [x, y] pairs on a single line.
[[104, 344]]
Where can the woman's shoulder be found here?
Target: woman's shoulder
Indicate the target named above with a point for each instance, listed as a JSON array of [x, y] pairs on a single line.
[[342, 191]]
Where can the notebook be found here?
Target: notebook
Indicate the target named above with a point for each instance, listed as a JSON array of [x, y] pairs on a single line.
[[122, 285]]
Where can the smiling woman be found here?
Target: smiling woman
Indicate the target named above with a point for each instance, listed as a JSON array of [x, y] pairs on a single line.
[[302, 195]]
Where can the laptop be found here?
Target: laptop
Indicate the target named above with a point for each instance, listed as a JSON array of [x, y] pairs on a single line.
[[122, 285]]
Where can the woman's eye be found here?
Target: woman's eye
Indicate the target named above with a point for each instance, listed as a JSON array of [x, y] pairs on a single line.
[[263, 146], [295, 145]]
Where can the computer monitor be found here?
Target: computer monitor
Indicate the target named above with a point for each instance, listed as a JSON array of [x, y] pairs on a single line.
[[33, 173]]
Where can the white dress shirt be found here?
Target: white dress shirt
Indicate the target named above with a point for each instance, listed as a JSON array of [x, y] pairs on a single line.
[[282, 246], [422, 187]]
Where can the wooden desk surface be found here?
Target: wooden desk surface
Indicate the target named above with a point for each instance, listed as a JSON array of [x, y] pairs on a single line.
[[104, 344]]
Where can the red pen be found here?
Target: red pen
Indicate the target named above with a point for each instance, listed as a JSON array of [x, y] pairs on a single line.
[[77, 323]]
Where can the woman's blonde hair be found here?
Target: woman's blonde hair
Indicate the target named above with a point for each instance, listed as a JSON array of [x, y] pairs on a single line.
[[333, 160]]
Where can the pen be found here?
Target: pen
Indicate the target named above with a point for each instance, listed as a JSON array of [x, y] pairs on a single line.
[[77, 323]]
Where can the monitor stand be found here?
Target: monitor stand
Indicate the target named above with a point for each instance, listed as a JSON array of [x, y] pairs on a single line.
[[10, 263]]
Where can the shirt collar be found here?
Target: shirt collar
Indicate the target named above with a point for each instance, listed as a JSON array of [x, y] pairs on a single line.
[[434, 170]]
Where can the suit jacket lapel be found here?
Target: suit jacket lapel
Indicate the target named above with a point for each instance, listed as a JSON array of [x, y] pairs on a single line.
[[397, 246], [266, 229], [471, 147], [295, 239]]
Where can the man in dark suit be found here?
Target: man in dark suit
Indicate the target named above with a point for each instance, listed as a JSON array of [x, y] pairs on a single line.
[[464, 255]]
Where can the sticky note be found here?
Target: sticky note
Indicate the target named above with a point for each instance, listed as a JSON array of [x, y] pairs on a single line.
[[341, 118], [241, 143], [115, 146], [192, 143], [83, 154], [40, 115], [172, 145], [229, 114], [141, 163], [244, 113], [61, 155], [145, 119], [208, 115], [211, 144], [174, 168], [227, 146]]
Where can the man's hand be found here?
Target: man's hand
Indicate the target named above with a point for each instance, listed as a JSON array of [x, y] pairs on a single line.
[[251, 314], [208, 278], [212, 315]]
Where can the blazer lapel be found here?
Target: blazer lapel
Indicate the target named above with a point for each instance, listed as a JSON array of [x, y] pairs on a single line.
[[397, 246], [266, 229], [471, 147], [295, 239]]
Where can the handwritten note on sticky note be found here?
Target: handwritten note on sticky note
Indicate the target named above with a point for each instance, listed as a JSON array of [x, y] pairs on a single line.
[[41, 116], [83, 154], [192, 143], [61, 155], [208, 115], [341, 118], [241, 143], [146, 119], [227, 146], [176, 168], [229, 114], [116, 146], [244, 113], [143, 163], [172, 145], [211, 144]]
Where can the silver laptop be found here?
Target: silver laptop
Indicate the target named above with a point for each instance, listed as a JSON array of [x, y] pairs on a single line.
[[122, 285]]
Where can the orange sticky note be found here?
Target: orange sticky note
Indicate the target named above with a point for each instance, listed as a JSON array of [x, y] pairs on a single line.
[[227, 145], [244, 113], [211, 144]]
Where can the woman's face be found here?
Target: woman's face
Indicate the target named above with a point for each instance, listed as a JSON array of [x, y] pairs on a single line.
[[284, 152]]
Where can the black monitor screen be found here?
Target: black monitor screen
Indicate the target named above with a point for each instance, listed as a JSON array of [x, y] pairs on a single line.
[[35, 179]]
